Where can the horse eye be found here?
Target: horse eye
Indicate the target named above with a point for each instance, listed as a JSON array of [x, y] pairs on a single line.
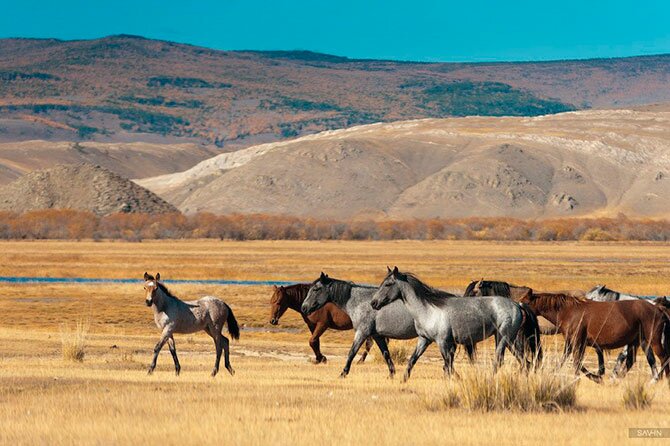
[[388, 284]]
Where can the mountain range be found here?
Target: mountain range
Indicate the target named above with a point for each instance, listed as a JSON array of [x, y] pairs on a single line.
[[127, 89]]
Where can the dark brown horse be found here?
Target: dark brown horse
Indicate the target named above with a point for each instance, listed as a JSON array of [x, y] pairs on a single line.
[[605, 326], [330, 316]]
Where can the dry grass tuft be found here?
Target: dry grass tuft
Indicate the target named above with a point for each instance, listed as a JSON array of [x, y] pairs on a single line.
[[637, 394], [73, 342], [400, 353], [508, 390]]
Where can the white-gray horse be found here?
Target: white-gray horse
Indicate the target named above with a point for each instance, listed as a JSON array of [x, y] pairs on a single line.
[[393, 322], [173, 315], [452, 321]]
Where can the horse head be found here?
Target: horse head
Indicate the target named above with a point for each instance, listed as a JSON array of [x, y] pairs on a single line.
[[150, 287], [318, 295], [389, 290], [278, 304]]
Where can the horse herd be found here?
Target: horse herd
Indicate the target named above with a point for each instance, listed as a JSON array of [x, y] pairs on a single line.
[[404, 307]]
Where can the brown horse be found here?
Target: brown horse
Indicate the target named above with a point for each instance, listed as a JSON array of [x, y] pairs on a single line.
[[330, 316], [605, 326]]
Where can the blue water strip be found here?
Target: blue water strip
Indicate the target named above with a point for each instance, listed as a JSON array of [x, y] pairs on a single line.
[[85, 280]]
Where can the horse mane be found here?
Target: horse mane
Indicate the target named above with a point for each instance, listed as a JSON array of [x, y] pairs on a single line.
[[427, 293], [502, 288], [662, 302], [340, 289], [555, 301], [470, 289], [167, 292], [499, 288], [297, 291]]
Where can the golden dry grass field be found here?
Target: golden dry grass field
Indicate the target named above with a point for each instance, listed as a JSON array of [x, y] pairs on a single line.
[[277, 396]]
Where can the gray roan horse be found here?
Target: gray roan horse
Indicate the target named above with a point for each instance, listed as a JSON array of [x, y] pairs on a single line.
[[600, 293], [528, 341], [515, 292], [173, 315], [452, 321], [393, 322]]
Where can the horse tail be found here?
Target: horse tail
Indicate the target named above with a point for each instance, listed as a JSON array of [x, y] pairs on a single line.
[[233, 327], [531, 334]]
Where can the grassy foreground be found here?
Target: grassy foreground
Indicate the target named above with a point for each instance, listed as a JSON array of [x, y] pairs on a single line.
[[276, 396]]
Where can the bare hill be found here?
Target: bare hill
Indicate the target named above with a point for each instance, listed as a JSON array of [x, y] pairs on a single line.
[[572, 164], [81, 187], [126, 88], [130, 160]]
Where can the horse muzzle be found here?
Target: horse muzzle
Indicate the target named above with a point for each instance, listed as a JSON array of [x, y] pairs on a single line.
[[149, 302], [310, 310], [274, 321]]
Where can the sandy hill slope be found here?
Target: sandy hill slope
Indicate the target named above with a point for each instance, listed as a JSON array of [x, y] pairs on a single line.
[[571, 164], [131, 160], [122, 88], [81, 187]]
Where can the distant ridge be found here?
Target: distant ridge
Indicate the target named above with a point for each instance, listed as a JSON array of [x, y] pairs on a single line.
[[584, 163], [82, 187]]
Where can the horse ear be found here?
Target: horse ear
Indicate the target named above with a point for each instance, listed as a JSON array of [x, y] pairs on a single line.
[[274, 287], [147, 276], [158, 276], [388, 270], [281, 287], [323, 276], [395, 270]]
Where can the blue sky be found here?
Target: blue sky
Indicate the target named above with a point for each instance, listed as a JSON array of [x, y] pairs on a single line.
[[475, 30]]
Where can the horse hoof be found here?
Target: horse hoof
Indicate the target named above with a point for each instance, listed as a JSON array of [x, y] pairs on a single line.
[[150, 370], [405, 378], [343, 375], [176, 372], [214, 372], [323, 360], [231, 371]]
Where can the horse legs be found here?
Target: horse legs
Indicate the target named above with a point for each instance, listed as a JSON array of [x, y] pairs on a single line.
[[567, 350], [622, 362], [421, 346], [366, 350], [157, 349], [226, 355], [651, 360], [501, 344], [381, 343], [316, 344], [471, 351], [359, 338], [601, 366], [215, 333], [447, 350], [657, 345], [173, 351]]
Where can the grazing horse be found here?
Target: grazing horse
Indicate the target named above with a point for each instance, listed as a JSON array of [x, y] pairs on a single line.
[[173, 315], [600, 293], [393, 322], [605, 326], [330, 316], [495, 288], [531, 328], [515, 292], [451, 321]]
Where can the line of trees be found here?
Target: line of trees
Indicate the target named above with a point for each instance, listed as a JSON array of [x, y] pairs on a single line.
[[65, 224]]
